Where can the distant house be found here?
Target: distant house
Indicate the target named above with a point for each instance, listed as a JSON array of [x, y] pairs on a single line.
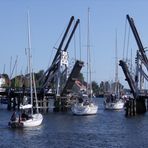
[[2, 83]]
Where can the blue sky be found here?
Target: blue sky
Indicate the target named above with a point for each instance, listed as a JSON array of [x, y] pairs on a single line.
[[49, 18]]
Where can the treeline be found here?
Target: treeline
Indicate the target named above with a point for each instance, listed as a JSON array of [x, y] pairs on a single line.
[[102, 88], [20, 80]]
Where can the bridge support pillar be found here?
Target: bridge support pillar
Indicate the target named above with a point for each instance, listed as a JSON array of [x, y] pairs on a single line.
[[140, 105], [130, 109], [63, 105], [57, 104], [60, 104], [9, 104]]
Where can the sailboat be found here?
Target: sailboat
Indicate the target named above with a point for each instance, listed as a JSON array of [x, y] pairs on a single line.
[[85, 104], [86, 107], [113, 100], [32, 119], [113, 103]]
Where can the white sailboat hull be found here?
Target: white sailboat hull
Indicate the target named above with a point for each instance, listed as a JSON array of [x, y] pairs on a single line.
[[35, 120], [80, 109], [118, 105]]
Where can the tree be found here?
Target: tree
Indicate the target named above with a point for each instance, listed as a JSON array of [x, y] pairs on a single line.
[[95, 88], [17, 81], [38, 76]]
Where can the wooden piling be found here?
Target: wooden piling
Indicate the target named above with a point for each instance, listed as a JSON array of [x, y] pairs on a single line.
[[9, 103], [14, 103], [57, 104], [140, 105], [45, 105], [146, 104], [130, 108], [64, 104], [134, 107]]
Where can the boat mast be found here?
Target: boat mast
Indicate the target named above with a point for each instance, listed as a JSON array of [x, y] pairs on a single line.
[[116, 68], [29, 58], [88, 58], [10, 66], [34, 85]]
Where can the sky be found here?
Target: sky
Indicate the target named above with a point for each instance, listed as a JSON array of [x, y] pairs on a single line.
[[49, 19]]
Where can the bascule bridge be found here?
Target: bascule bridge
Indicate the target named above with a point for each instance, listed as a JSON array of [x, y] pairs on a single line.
[[56, 78], [136, 83]]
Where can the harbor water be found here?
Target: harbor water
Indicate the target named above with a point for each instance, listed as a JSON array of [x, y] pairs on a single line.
[[107, 129]]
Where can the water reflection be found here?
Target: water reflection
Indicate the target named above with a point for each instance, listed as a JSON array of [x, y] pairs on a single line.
[[106, 129]]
